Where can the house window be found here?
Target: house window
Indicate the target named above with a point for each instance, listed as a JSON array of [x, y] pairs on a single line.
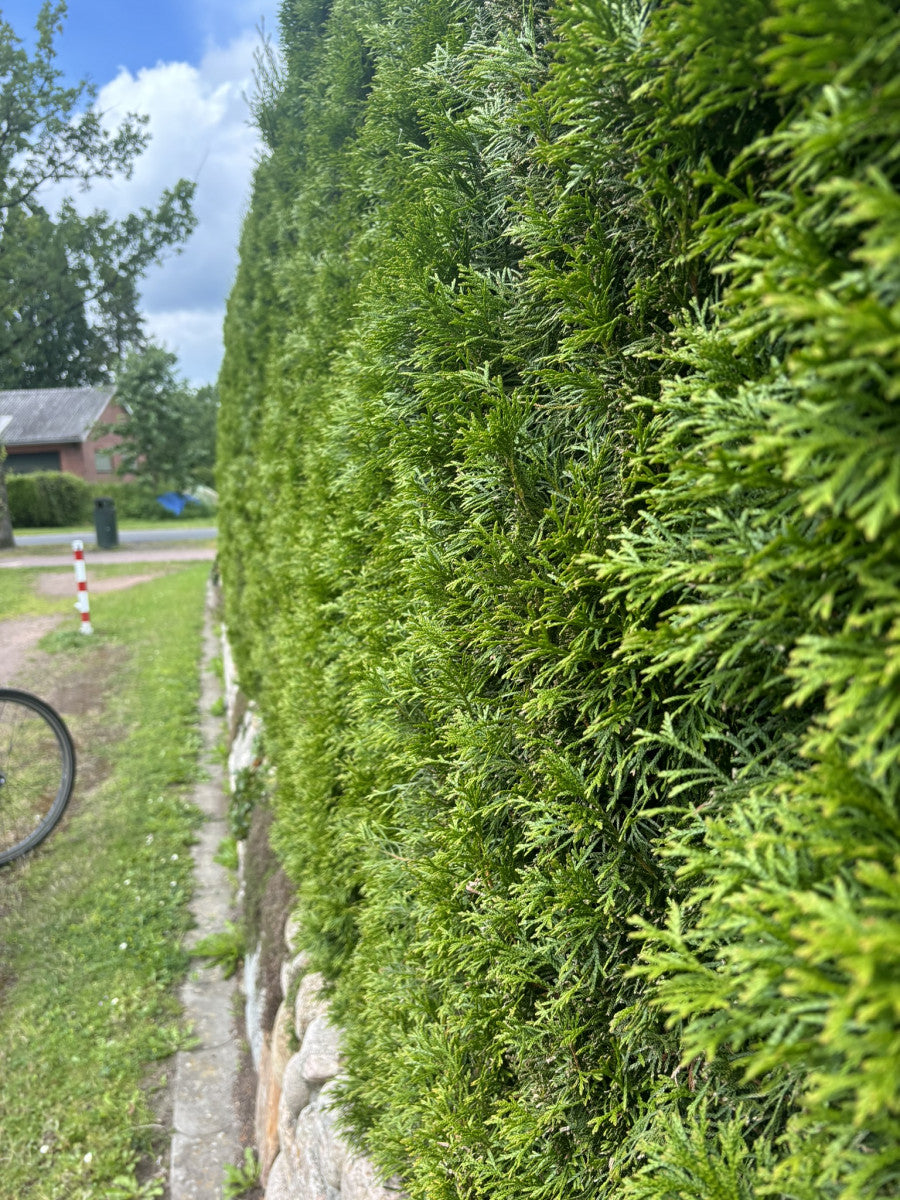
[[40, 460], [103, 461]]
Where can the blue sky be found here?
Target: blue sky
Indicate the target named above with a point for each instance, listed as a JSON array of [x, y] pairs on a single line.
[[101, 37], [189, 67]]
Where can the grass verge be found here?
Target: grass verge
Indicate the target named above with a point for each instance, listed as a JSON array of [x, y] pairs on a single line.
[[90, 548], [86, 528], [91, 925], [19, 597]]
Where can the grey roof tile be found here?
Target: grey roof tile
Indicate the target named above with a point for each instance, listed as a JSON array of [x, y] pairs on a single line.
[[51, 414]]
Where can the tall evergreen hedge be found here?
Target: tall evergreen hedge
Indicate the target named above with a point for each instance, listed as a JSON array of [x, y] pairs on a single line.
[[561, 518]]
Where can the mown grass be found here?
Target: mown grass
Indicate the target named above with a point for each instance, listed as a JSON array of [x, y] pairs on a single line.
[[91, 925], [17, 595], [143, 524], [61, 548], [19, 598]]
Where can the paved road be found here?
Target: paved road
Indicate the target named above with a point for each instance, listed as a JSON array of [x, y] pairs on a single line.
[[178, 533]]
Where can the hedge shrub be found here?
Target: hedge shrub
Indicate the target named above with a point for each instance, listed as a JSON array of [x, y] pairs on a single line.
[[47, 498], [56, 498], [558, 458], [137, 500]]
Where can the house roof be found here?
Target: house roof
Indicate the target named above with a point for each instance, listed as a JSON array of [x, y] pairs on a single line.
[[51, 414]]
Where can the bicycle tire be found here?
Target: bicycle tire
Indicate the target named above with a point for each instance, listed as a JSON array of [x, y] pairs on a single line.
[[37, 771]]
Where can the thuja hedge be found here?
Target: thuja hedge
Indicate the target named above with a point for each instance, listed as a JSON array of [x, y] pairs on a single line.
[[561, 542]]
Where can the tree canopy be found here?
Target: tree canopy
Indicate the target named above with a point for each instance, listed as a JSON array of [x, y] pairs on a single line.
[[168, 436], [69, 299], [69, 294]]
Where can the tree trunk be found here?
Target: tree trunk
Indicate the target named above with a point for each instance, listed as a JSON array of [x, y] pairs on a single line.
[[7, 541]]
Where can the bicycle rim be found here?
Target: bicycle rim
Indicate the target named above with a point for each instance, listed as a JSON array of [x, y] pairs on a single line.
[[37, 772]]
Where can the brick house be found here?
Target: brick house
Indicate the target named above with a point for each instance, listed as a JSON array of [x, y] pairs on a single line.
[[53, 429]]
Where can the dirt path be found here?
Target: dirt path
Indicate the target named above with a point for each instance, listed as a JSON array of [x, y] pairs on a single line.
[[63, 585], [19, 637]]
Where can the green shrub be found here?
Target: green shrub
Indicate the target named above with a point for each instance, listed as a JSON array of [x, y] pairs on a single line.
[[132, 499], [249, 789], [54, 498], [243, 1179], [48, 498], [560, 384], [137, 500], [225, 949]]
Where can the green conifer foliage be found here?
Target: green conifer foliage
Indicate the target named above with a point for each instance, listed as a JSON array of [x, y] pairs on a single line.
[[558, 458], [771, 532]]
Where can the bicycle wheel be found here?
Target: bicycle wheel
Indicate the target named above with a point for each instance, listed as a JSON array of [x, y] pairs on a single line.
[[37, 771]]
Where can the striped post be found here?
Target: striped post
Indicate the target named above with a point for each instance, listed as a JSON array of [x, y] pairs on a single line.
[[82, 603]]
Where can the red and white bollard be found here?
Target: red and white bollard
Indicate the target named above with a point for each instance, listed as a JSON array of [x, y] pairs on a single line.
[[82, 603]]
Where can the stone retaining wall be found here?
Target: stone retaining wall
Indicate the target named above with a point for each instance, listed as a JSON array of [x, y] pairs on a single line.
[[302, 1156]]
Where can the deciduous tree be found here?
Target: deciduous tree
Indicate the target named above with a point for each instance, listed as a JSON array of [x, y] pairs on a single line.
[[68, 284], [170, 429]]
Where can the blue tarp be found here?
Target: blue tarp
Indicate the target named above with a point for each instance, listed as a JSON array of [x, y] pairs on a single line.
[[175, 502]]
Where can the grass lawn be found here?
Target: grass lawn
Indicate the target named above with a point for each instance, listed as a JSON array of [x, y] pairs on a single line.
[[19, 596], [91, 924], [170, 525], [90, 548]]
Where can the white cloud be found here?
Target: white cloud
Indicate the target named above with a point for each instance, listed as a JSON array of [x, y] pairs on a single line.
[[196, 332], [244, 14], [200, 130]]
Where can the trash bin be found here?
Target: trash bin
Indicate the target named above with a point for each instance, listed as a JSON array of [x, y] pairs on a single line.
[[105, 523]]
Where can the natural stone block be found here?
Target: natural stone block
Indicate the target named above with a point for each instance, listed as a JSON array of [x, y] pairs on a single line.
[[330, 1149], [361, 1182], [266, 1145], [292, 969], [291, 933], [275, 1056], [287, 1126], [243, 747], [254, 1004], [278, 1186], [320, 1051], [295, 1090], [281, 1042], [295, 1095], [310, 1140], [308, 1003]]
